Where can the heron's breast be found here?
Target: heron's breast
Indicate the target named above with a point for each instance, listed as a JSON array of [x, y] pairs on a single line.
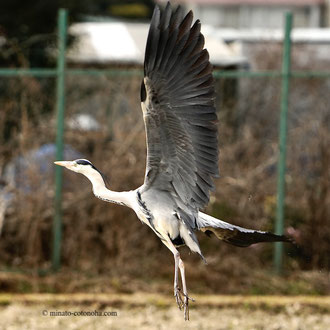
[[157, 213]]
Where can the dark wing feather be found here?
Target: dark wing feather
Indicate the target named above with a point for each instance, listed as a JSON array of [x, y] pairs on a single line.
[[236, 235], [177, 96]]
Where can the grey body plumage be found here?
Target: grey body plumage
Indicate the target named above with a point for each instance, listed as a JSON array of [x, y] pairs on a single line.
[[177, 100]]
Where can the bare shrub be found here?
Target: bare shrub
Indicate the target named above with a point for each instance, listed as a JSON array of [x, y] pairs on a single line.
[[99, 238]]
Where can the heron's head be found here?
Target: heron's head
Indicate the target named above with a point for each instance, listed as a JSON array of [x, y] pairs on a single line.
[[79, 165], [86, 168]]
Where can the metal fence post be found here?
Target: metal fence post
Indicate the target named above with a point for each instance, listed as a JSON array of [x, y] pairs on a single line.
[[60, 107], [278, 253]]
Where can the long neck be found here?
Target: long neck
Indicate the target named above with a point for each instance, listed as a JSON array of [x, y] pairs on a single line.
[[102, 192]]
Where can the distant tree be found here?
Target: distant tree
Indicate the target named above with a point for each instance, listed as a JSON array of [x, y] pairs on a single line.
[[28, 27], [27, 30]]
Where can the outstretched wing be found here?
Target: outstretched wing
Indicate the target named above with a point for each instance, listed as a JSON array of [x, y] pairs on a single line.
[[177, 95]]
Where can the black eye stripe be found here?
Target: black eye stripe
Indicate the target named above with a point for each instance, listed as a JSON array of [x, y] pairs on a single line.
[[83, 162]]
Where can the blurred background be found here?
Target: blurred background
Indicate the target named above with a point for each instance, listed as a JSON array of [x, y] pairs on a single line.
[[104, 247]]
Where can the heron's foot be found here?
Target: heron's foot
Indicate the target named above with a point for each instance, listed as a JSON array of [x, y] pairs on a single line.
[[186, 306], [178, 297], [188, 298]]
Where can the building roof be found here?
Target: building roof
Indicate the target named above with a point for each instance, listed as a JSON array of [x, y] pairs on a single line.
[[119, 42], [253, 2], [300, 35]]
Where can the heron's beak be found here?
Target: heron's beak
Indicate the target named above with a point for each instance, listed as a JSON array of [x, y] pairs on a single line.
[[63, 163]]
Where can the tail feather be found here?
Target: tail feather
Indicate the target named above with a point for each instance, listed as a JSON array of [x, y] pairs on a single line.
[[236, 235]]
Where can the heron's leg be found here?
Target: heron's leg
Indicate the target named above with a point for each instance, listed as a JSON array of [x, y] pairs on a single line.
[[177, 293], [177, 290], [185, 292]]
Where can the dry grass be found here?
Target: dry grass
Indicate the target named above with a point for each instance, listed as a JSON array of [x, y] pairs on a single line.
[[143, 299], [150, 311]]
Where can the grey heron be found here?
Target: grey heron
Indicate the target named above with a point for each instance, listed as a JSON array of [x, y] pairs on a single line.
[[177, 100]]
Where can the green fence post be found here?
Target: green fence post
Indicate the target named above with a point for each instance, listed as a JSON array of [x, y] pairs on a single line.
[[278, 253], [60, 107]]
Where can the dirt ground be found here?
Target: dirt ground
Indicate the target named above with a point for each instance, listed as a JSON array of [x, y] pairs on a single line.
[[145, 311]]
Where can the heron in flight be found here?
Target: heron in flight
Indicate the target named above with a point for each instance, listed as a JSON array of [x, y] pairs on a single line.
[[177, 100]]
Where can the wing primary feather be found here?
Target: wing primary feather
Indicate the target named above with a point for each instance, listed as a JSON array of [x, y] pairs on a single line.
[[166, 17], [176, 18], [152, 41], [185, 25]]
